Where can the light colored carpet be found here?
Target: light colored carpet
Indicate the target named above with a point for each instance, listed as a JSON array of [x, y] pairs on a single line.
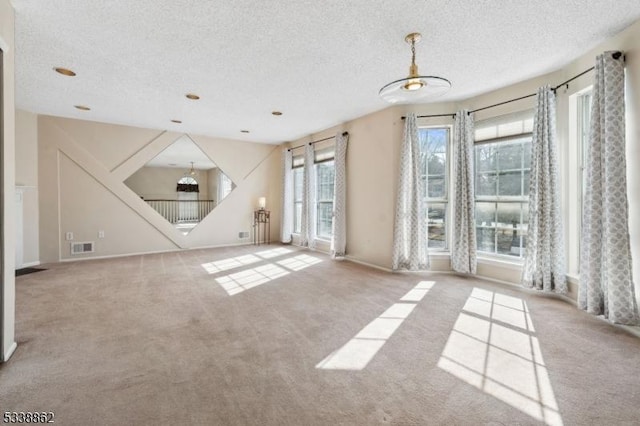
[[262, 336]]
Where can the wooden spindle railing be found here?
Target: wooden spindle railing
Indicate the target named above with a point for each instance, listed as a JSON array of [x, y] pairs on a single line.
[[176, 211]]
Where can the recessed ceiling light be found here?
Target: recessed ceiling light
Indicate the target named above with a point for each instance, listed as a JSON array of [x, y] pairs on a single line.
[[276, 113], [82, 107], [176, 121], [192, 96], [65, 71], [244, 131]]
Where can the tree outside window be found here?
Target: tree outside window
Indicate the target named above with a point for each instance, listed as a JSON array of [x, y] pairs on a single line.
[[434, 143]]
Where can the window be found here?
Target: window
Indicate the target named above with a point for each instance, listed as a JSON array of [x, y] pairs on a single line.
[[502, 165], [584, 123], [324, 169], [434, 143], [226, 186], [325, 172], [298, 176]]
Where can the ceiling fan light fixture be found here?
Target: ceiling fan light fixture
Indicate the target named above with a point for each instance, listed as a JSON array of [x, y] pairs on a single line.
[[415, 87]]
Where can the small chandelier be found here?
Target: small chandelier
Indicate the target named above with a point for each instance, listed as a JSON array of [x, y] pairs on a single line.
[[415, 87], [191, 172]]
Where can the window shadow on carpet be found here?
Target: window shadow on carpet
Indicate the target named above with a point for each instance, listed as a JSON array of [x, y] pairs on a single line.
[[493, 347], [359, 351]]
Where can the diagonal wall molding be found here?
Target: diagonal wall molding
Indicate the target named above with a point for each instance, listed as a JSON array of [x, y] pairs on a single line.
[[149, 151], [89, 164]]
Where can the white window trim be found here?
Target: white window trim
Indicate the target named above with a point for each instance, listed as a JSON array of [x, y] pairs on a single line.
[[449, 178], [497, 259]]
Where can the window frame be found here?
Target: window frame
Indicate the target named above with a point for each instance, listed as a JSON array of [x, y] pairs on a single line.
[[522, 199], [294, 170], [325, 158], [583, 124], [447, 188]]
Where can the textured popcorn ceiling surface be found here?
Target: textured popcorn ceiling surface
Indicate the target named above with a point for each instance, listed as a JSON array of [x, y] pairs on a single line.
[[320, 62]]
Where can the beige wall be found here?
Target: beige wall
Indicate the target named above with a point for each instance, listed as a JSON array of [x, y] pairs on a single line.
[[27, 182], [83, 166], [7, 286], [374, 148]]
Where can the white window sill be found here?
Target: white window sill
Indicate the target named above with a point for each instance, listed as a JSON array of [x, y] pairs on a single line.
[[514, 264], [440, 254]]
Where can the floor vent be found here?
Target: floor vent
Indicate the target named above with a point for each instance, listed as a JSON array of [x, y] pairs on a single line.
[[243, 235], [79, 248]]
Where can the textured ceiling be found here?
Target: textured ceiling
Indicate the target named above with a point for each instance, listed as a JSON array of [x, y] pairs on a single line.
[[320, 62]]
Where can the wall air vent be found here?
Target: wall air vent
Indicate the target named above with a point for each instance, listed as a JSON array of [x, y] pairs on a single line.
[[80, 248], [243, 235]]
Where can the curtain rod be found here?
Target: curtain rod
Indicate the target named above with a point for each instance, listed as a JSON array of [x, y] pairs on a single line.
[[314, 142], [615, 55]]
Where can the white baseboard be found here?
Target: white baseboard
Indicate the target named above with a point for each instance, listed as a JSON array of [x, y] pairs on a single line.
[[370, 265], [244, 243], [113, 256], [10, 352], [29, 264]]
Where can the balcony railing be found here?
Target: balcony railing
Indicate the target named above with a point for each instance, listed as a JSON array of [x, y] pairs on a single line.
[[176, 211]]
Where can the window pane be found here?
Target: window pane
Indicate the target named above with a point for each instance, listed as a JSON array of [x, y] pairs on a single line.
[[510, 156], [325, 219], [509, 222], [297, 220], [324, 192], [510, 183], [502, 225], [485, 214], [298, 175], [485, 158], [433, 152], [436, 187], [508, 215], [486, 239], [525, 183], [508, 242], [434, 140], [437, 164], [436, 213], [325, 176], [527, 154], [485, 229], [486, 184]]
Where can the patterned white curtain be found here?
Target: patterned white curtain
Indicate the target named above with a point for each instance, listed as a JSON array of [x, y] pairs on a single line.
[[308, 226], [287, 197], [606, 282], [409, 233], [463, 250], [339, 239], [544, 265]]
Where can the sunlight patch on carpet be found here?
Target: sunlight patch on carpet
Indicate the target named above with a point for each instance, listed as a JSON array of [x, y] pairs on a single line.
[[300, 262], [249, 278], [226, 264], [359, 351], [493, 347], [268, 254]]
